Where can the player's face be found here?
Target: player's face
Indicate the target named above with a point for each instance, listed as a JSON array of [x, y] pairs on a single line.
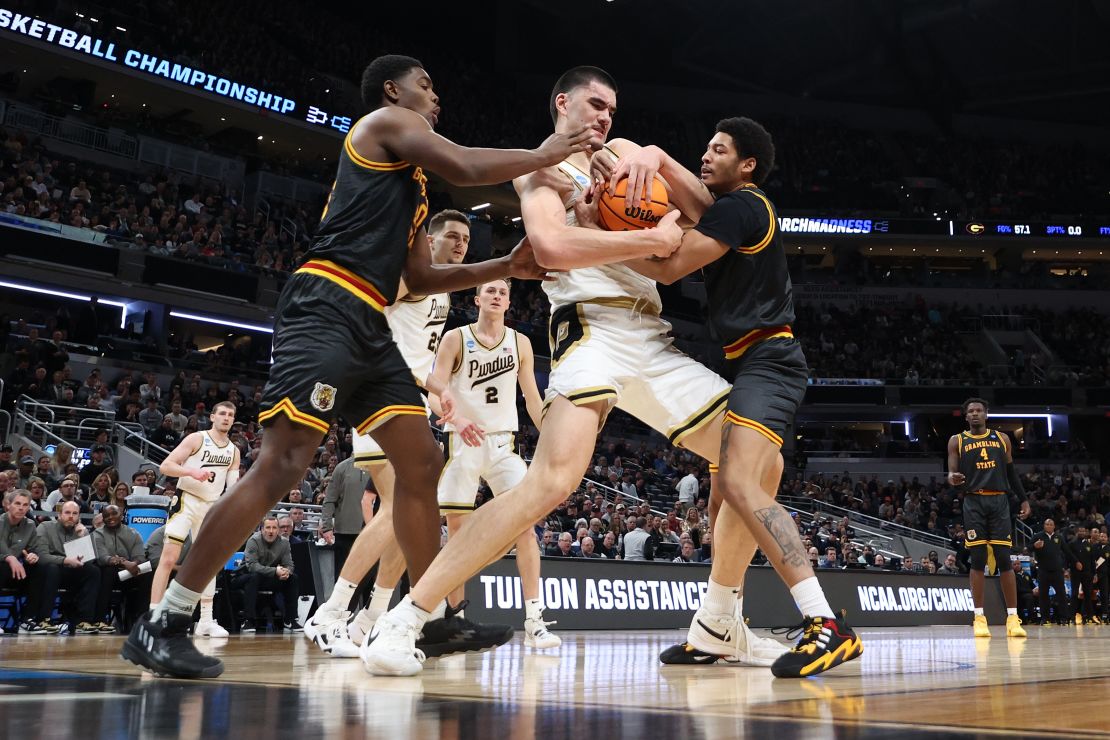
[[976, 415], [450, 243], [722, 168], [222, 419], [493, 298], [593, 106], [414, 91]]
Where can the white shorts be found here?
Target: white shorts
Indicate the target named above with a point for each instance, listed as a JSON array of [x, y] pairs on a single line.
[[495, 461], [367, 452], [605, 352], [191, 510]]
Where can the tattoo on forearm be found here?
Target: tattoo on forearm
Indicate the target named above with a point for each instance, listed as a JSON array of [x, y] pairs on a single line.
[[785, 532]]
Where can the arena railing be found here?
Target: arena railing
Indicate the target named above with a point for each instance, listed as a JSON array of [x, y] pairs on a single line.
[[137, 442], [74, 132], [877, 523]]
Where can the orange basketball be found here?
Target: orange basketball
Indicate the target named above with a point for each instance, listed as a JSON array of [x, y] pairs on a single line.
[[614, 216]]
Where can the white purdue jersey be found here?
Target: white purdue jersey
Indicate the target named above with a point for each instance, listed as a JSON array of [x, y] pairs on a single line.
[[417, 325], [213, 459], [606, 281], [484, 381]]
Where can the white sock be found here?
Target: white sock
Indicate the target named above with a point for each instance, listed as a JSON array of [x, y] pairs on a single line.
[[177, 599], [533, 609], [341, 595], [1011, 612], [740, 605], [978, 611], [719, 599], [810, 598], [379, 601], [440, 610], [410, 613], [206, 610]]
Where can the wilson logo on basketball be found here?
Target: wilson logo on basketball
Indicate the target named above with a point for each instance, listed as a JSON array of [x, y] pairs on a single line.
[[640, 214]]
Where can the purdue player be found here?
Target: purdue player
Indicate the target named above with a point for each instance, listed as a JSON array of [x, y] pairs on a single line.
[[205, 464], [609, 347], [980, 461], [417, 324], [333, 352], [476, 374]]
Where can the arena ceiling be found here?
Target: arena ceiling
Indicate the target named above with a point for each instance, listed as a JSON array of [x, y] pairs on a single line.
[[1012, 58]]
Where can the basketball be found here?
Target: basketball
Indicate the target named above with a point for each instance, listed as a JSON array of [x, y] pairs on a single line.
[[614, 216]]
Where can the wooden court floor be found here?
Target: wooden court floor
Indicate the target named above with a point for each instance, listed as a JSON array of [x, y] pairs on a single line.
[[910, 682]]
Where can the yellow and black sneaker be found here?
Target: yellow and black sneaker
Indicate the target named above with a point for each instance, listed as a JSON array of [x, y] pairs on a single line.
[[825, 643], [686, 654]]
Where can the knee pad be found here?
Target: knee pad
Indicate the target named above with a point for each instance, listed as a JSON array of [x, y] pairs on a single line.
[[1002, 557], [978, 557]]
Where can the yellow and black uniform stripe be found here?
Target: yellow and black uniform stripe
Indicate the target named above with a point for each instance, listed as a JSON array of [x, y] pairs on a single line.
[[740, 421], [347, 280], [285, 406], [736, 349], [383, 415]]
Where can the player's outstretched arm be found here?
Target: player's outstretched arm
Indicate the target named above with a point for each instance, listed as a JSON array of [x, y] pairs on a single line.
[[408, 135], [558, 246], [526, 378], [422, 276], [174, 464], [696, 251]]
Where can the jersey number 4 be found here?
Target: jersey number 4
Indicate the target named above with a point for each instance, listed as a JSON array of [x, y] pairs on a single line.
[[983, 454]]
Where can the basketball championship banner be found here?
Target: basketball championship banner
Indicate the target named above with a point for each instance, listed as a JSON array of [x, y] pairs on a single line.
[[604, 594]]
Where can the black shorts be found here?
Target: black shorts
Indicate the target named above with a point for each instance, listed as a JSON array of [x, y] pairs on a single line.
[[334, 354], [987, 519], [769, 383]]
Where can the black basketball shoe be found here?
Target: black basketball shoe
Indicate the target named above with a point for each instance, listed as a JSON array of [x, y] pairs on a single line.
[[826, 643], [686, 654], [163, 647], [455, 634]]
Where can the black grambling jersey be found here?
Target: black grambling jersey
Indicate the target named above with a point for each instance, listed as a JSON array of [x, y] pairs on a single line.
[[749, 291], [371, 219], [983, 462]]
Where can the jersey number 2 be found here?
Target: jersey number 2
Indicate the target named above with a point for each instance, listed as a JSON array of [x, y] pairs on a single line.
[[491, 395]]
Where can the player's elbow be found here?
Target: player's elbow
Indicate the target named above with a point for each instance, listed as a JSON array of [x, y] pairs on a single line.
[[668, 276], [546, 251]]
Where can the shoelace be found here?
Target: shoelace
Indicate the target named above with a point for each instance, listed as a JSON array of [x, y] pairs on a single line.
[[810, 629], [543, 625]]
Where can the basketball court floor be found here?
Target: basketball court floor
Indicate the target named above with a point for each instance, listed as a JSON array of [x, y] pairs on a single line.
[[910, 683]]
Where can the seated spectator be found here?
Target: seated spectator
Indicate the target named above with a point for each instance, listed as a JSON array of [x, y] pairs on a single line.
[[587, 550], [268, 566], [830, 560], [688, 553], [950, 567], [549, 545], [97, 464], [59, 569], [100, 493], [19, 565], [564, 549], [880, 562], [285, 529], [67, 491], [119, 549], [608, 547]]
